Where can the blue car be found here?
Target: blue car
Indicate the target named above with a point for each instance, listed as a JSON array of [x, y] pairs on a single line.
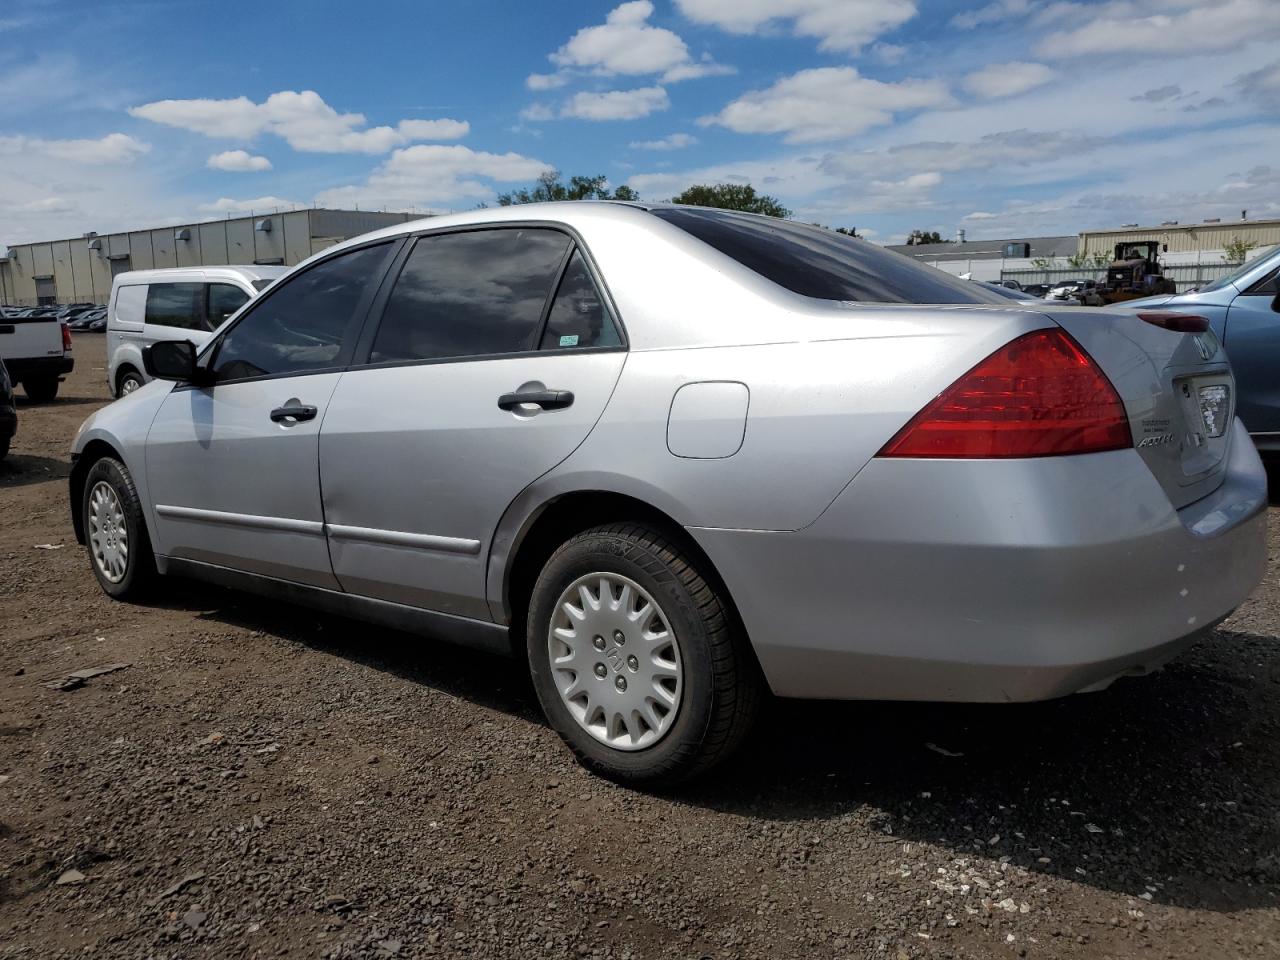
[[1244, 310]]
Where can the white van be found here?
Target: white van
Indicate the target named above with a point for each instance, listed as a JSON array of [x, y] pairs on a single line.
[[183, 303]]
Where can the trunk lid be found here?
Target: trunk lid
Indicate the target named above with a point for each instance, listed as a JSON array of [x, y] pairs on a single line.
[[1177, 389], [26, 338]]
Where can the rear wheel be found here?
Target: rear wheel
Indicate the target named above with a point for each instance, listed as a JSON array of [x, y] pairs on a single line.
[[130, 381], [634, 658], [40, 389], [115, 533], [4, 446]]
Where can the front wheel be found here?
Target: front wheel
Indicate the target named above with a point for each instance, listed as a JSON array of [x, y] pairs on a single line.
[[40, 389], [115, 533], [635, 660], [129, 381]]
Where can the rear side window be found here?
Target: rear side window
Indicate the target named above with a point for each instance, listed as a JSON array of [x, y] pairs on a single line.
[[470, 294], [816, 262], [1268, 286], [578, 315], [224, 300], [301, 325], [131, 303], [176, 305]]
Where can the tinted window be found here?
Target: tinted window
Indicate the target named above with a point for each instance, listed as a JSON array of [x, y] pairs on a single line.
[[470, 294], [578, 316], [176, 305], [262, 283], [1267, 286], [224, 300], [816, 262], [301, 324]]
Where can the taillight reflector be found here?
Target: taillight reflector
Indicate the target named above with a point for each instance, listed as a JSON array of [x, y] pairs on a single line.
[[66, 337], [1040, 395], [1178, 322]]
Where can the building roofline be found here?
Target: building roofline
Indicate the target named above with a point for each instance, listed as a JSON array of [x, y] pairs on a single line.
[[1241, 224]]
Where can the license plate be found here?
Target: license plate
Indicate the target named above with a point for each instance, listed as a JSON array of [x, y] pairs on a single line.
[[1215, 408]]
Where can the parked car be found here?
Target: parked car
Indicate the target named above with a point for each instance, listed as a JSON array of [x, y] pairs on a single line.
[[151, 305], [1243, 310], [792, 462], [1036, 289], [85, 321], [36, 347], [1008, 284], [1010, 293], [1083, 292], [8, 412]]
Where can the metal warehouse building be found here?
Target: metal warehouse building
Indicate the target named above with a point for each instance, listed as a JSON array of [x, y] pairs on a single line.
[[80, 270], [1208, 236]]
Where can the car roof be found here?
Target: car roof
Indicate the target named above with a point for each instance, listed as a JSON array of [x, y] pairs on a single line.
[[247, 272]]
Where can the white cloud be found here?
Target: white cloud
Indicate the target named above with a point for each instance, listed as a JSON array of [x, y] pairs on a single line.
[[627, 44], [113, 148], [676, 141], [826, 104], [425, 175], [1262, 85], [545, 81], [1128, 26], [302, 119], [840, 25], [259, 204], [979, 215], [238, 161], [1006, 79], [616, 104], [991, 13]]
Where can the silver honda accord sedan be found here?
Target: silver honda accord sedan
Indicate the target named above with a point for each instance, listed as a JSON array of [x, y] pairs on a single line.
[[677, 457]]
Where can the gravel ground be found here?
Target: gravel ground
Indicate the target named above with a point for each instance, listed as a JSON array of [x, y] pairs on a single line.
[[262, 781]]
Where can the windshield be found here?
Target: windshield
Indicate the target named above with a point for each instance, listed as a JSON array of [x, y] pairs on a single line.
[[1247, 267], [816, 262]]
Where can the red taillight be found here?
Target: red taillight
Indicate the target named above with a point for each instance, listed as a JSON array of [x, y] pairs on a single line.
[[1178, 322], [1040, 395], [66, 337]]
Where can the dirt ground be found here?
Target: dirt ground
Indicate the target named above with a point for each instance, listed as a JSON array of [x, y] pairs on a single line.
[[262, 781]]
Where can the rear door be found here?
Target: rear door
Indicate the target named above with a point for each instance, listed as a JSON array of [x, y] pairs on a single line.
[[493, 359], [1253, 343], [232, 467]]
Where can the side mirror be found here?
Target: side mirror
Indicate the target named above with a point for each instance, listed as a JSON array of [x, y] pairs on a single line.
[[1275, 303], [172, 360]]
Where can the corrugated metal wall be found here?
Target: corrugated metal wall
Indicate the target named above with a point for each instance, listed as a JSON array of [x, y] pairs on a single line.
[[81, 274], [1187, 238]]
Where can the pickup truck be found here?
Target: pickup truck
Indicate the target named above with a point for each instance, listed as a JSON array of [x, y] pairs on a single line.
[[36, 349]]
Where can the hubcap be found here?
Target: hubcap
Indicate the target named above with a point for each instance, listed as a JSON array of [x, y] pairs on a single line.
[[129, 385], [108, 533], [615, 661]]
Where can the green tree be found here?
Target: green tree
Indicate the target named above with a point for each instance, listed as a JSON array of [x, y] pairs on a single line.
[[917, 237], [733, 196], [1101, 259], [1237, 250], [550, 186], [1042, 263], [1079, 260]]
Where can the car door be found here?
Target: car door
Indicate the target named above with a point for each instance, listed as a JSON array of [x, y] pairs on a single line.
[[1253, 344], [175, 310], [232, 467], [493, 358]]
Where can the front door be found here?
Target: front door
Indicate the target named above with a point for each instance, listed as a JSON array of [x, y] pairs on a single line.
[[493, 360], [233, 467], [1253, 344]]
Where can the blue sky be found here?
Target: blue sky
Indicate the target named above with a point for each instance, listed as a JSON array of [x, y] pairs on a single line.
[[1001, 117]]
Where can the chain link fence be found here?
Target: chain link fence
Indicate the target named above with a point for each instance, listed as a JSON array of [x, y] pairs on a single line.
[[1188, 276]]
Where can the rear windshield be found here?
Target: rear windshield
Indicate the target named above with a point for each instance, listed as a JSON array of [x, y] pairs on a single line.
[[816, 262]]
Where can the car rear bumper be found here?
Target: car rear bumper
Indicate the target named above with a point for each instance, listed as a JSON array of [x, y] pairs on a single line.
[[994, 580], [21, 369]]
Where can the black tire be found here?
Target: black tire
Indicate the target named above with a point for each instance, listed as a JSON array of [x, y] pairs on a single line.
[[127, 374], [721, 683], [140, 568], [40, 389], [4, 446]]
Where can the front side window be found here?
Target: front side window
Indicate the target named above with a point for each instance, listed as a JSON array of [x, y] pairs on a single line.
[[176, 305], [470, 294], [578, 315], [301, 325], [816, 262], [224, 300]]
